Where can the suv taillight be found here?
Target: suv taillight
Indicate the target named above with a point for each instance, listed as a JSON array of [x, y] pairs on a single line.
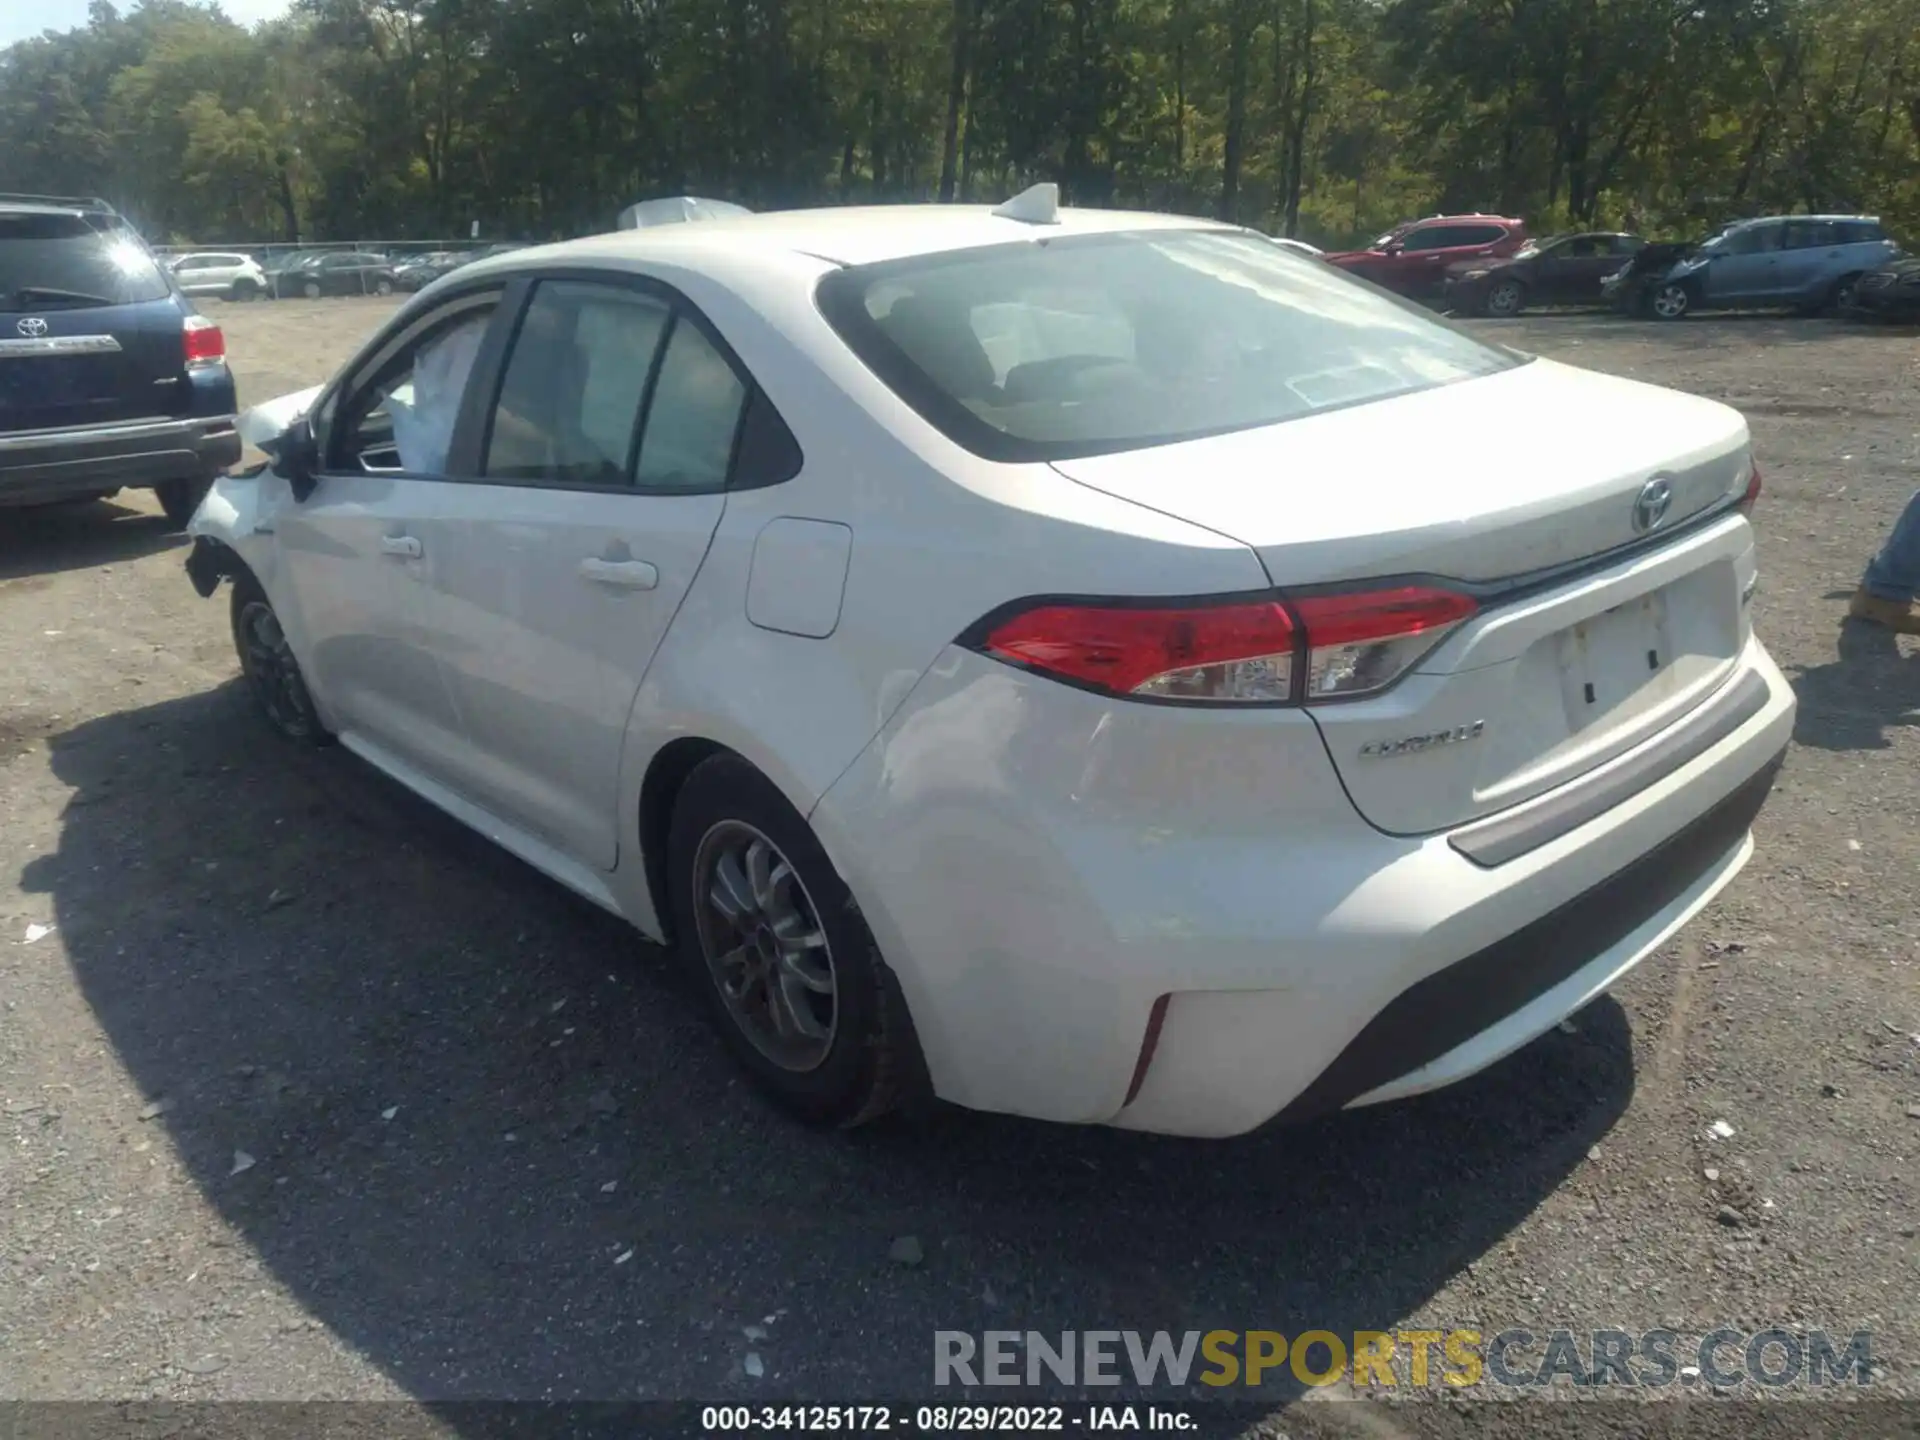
[[1308, 650], [202, 342], [1752, 497]]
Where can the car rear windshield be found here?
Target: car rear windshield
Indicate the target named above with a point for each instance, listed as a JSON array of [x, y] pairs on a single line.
[[1092, 344], [56, 261]]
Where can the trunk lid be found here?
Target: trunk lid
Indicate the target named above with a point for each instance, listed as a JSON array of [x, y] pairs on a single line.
[[1524, 482], [91, 366], [90, 328]]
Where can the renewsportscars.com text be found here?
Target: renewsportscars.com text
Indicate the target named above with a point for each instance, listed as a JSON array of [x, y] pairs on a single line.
[[1516, 1357]]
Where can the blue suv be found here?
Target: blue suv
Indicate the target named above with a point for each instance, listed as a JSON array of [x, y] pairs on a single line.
[[109, 378], [1808, 263]]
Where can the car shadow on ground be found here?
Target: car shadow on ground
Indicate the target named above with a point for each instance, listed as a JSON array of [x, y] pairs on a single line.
[[1855, 700], [48, 539], [498, 1151]]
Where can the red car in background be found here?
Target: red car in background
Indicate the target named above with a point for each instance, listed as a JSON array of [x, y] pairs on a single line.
[[1412, 259]]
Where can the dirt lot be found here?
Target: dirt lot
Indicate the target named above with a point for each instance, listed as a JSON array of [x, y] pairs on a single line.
[[308, 1093]]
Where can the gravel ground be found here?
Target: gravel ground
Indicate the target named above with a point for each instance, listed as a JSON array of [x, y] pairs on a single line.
[[309, 1094]]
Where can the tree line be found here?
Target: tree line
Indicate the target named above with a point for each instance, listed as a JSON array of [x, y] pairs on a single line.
[[1327, 119]]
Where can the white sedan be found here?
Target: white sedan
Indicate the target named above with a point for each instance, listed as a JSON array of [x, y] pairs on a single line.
[[1095, 666]]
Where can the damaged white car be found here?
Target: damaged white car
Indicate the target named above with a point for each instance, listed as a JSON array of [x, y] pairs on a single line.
[[1104, 667]]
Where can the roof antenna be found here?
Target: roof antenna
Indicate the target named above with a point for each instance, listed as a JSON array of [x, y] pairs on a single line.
[[1036, 205]]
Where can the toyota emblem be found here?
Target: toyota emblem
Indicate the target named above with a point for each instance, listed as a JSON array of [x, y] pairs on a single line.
[[33, 327], [1650, 506]]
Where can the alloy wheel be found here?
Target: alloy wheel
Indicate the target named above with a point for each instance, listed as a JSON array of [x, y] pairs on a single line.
[[1670, 302], [1504, 299], [764, 946]]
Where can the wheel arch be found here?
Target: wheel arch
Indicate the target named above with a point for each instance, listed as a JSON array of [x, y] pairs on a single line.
[[212, 560], [659, 791]]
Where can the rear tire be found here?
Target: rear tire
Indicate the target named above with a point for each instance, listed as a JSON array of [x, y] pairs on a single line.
[[180, 498], [268, 665], [243, 291], [791, 974]]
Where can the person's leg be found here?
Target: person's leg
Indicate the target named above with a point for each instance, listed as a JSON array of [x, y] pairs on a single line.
[[1895, 571], [1893, 578]]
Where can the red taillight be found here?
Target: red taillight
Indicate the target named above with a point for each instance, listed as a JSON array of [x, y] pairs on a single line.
[[202, 341], [1752, 497], [1239, 651], [1363, 641], [1329, 646]]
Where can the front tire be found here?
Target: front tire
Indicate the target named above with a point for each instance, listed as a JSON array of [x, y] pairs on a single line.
[[180, 498], [1840, 300], [1505, 300], [311, 289], [269, 667], [1670, 302], [383, 286], [772, 936]]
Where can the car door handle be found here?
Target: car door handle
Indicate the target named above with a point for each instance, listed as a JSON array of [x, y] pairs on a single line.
[[404, 546], [621, 574]]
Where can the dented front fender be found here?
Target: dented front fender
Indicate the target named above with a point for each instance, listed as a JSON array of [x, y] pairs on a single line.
[[233, 529]]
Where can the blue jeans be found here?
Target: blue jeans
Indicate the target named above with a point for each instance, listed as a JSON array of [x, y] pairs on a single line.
[[1895, 571]]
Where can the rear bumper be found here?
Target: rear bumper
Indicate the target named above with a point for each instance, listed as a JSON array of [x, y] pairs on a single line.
[[45, 465], [1041, 868]]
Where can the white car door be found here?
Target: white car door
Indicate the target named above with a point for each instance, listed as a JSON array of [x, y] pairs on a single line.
[[560, 566], [351, 556]]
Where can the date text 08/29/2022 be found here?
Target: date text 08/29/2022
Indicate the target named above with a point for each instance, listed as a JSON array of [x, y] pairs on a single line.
[[941, 1419]]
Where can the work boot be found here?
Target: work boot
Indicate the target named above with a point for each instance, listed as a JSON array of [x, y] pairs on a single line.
[[1894, 615]]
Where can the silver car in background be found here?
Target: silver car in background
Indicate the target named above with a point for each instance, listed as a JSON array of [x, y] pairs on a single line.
[[226, 273], [1808, 263]]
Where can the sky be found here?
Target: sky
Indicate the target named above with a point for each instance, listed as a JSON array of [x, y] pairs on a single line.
[[21, 18]]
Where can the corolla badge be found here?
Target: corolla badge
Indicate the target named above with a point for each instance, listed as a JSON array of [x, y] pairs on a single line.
[[1650, 506], [33, 327], [1416, 744]]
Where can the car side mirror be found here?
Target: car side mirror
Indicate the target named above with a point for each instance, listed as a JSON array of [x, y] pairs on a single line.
[[296, 456], [1392, 247]]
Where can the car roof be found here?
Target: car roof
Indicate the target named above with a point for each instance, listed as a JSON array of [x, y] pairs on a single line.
[[1791, 219], [842, 235]]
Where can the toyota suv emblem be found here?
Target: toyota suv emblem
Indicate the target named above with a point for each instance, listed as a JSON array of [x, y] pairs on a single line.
[[1650, 506], [33, 327]]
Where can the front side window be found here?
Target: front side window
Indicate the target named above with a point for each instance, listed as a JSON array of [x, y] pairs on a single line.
[[1100, 343], [52, 260], [1754, 240], [1434, 237], [569, 406], [402, 418]]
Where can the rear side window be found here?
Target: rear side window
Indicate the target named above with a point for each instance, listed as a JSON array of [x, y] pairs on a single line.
[[569, 405], [693, 417], [1479, 234], [64, 261], [1093, 344], [1813, 234]]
